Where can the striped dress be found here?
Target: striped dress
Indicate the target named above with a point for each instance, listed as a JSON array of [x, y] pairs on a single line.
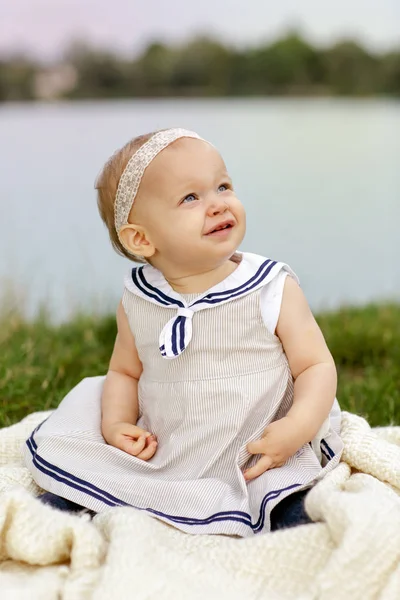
[[214, 376]]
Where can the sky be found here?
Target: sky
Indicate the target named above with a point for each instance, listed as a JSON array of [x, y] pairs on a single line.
[[43, 28]]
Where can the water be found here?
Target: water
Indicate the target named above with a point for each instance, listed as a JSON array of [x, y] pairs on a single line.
[[320, 181]]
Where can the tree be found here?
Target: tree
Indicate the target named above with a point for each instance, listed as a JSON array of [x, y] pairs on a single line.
[[99, 74], [350, 69], [151, 74], [286, 65], [202, 66], [205, 67], [17, 79], [390, 70]]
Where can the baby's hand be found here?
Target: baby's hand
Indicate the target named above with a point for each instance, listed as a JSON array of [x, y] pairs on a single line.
[[132, 439], [280, 440]]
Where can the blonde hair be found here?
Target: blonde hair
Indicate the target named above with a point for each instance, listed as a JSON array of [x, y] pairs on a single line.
[[106, 185]]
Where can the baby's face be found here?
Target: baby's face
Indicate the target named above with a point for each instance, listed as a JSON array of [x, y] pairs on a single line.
[[185, 199]]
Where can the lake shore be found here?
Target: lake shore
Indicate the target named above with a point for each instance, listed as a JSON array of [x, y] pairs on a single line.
[[40, 361]]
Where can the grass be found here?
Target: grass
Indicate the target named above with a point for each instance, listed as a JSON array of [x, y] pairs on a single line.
[[40, 362]]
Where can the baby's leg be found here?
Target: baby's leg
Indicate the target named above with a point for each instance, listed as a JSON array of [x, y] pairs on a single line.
[[290, 512], [63, 504]]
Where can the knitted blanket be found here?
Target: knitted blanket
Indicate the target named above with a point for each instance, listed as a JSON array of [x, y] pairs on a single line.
[[352, 551]]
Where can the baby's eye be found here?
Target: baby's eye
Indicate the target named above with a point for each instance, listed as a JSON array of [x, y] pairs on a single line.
[[189, 198], [226, 186]]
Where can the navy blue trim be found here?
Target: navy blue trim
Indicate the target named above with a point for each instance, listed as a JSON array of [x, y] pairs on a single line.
[[76, 482], [139, 286], [82, 486], [182, 334], [174, 345], [236, 515], [329, 450], [245, 287], [212, 298], [325, 454], [179, 321], [169, 300]]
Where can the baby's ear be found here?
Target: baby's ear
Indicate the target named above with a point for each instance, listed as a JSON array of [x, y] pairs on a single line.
[[135, 239]]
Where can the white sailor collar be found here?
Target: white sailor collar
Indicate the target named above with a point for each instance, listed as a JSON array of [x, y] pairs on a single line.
[[253, 272]]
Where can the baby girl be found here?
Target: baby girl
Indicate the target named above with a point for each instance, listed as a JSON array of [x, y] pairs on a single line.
[[218, 411]]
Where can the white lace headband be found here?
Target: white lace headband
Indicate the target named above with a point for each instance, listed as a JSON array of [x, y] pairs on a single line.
[[131, 177]]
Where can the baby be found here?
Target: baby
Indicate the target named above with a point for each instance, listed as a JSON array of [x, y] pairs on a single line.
[[218, 412]]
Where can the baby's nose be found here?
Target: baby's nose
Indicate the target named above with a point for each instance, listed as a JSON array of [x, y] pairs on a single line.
[[218, 205]]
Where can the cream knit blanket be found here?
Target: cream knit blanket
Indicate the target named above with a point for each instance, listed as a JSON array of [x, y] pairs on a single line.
[[352, 553]]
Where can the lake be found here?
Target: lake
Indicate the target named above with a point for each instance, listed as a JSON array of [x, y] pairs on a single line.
[[319, 178]]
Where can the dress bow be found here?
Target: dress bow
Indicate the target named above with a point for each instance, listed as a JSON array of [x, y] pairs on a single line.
[[177, 333]]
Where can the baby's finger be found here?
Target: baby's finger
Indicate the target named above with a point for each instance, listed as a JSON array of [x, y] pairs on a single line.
[[148, 452], [256, 447], [133, 447], [265, 463], [150, 438], [133, 431]]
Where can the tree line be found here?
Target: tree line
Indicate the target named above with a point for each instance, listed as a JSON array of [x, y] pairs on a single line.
[[205, 67]]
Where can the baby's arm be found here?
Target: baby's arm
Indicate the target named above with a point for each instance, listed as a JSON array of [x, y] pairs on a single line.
[[119, 401], [310, 361], [314, 375]]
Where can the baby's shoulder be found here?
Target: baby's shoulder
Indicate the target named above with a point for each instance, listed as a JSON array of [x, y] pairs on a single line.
[[260, 267], [271, 293]]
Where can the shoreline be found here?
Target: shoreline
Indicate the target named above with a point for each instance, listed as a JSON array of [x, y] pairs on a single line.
[[40, 361]]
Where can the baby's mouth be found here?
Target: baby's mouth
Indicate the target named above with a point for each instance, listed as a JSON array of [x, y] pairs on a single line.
[[221, 227]]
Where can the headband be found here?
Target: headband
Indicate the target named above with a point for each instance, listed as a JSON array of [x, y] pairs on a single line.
[[131, 177]]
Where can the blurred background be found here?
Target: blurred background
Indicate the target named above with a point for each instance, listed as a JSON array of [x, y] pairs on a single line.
[[303, 101]]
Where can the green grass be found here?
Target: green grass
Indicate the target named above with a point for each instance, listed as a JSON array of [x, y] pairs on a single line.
[[41, 362]]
